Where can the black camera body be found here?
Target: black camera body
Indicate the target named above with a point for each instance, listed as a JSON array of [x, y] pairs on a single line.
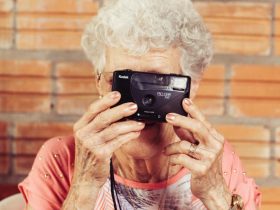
[[155, 94]]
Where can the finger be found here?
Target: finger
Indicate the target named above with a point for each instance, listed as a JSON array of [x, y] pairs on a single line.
[[198, 129], [184, 160], [123, 139], [184, 147], [97, 107], [185, 134], [118, 129], [109, 116], [109, 148], [217, 135], [195, 113]]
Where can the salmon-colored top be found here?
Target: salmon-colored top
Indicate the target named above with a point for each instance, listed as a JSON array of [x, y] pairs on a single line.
[[47, 184]]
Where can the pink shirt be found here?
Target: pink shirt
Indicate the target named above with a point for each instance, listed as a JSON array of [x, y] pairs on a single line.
[[48, 182]]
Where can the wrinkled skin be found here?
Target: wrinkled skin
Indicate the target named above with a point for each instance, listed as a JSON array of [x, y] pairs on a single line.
[[137, 149]]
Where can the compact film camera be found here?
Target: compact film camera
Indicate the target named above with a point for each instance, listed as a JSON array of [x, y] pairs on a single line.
[[155, 94]]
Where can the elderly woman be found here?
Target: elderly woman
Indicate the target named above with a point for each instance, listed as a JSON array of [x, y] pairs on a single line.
[[110, 163]]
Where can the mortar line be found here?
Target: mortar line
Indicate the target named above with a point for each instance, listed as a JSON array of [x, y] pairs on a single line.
[[227, 87], [53, 95], [14, 28], [272, 36], [101, 3], [12, 134], [78, 55], [238, 1], [273, 151]]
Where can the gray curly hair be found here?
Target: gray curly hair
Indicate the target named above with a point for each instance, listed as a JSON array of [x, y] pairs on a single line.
[[141, 25]]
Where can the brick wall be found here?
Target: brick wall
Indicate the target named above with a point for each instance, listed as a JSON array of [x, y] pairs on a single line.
[[46, 82]]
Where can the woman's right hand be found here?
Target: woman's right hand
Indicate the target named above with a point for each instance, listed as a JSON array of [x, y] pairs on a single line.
[[98, 134]]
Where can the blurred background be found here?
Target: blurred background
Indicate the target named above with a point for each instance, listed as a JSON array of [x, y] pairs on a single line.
[[46, 83]]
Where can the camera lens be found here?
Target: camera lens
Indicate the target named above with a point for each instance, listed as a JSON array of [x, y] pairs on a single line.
[[148, 100]]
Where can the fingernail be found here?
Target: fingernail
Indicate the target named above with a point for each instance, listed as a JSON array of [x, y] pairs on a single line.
[[170, 116], [187, 101], [115, 95], [132, 106], [140, 123]]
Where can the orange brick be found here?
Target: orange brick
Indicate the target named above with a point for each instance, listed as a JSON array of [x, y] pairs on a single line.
[[40, 21], [243, 133], [210, 106], [4, 146], [25, 68], [277, 151], [277, 162], [3, 129], [255, 90], [277, 30], [6, 38], [254, 108], [212, 84], [270, 194], [6, 5], [270, 198], [238, 28], [24, 103], [211, 89], [256, 73], [239, 9], [277, 27], [252, 149], [76, 104], [277, 45], [25, 85], [4, 164], [6, 21], [76, 86], [243, 137], [22, 164], [26, 147], [242, 45], [277, 11], [214, 72], [277, 134], [270, 206], [256, 168], [254, 27], [74, 69], [49, 40], [65, 6], [41, 131]]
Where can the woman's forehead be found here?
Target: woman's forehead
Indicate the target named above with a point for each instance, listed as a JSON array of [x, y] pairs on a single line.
[[162, 61]]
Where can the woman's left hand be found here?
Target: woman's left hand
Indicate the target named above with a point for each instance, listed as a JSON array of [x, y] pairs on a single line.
[[203, 158]]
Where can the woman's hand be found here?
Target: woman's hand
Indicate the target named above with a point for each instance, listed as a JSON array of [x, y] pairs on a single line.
[[98, 134], [200, 150]]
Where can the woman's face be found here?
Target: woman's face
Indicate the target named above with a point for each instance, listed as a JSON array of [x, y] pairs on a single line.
[[155, 135]]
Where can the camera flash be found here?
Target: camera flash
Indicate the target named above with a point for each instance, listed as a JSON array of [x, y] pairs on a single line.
[[179, 83]]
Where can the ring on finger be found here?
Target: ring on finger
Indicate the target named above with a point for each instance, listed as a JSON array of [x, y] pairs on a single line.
[[192, 150]]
